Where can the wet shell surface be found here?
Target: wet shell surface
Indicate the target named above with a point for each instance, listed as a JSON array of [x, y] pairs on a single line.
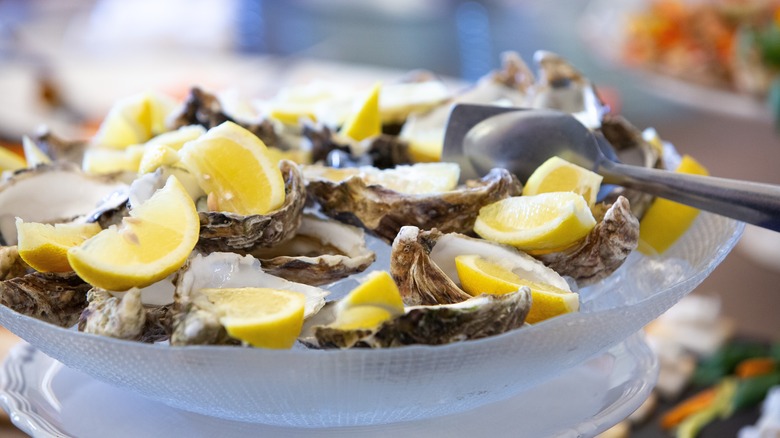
[[321, 251], [224, 231], [52, 297], [50, 193], [477, 317], [603, 250], [383, 211], [422, 264], [196, 319]]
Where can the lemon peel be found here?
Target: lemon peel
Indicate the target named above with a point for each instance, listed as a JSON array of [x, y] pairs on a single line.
[[45, 247]]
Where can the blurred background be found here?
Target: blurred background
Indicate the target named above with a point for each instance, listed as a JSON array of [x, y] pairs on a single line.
[[63, 63]]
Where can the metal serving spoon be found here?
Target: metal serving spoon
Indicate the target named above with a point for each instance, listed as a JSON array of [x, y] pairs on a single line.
[[481, 137]]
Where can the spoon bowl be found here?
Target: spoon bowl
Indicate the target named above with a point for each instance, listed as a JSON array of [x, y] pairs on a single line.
[[480, 137]]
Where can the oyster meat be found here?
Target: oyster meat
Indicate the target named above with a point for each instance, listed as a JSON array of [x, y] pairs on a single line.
[[477, 317], [196, 319], [321, 251], [52, 297], [603, 250], [422, 263], [384, 211], [224, 231]]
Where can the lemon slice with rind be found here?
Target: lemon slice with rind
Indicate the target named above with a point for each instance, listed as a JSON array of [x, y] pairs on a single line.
[[151, 243], [261, 317], [234, 167], [45, 247], [559, 175], [377, 289], [544, 222], [134, 120], [479, 275]]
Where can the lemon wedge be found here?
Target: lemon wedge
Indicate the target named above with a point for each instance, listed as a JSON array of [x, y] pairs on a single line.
[[366, 121], [155, 156], [559, 175], [100, 160], [377, 289], [234, 167], [261, 317], [361, 317], [176, 139], [45, 247], [10, 160], [665, 221], [544, 222], [134, 120], [151, 243], [33, 154], [479, 275]]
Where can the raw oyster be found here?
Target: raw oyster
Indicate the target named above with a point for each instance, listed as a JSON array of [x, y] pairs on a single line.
[[196, 319], [477, 317], [383, 151], [205, 109], [224, 231], [321, 251], [422, 263], [383, 211], [124, 318], [603, 250], [52, 297], [57, 192]]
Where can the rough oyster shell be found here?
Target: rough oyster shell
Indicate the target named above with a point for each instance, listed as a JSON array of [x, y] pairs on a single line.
[[422, 263], [603, 250], [383, 151], [52, 297], [196, 319], [477, 317], [205, 109], [59, 149], [224, 231], [11, 265], [321, 251], [384, 211], [124, 318], [50, 193]]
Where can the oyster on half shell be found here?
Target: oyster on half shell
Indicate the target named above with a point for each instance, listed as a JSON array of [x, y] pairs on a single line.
[[384, 211], [321, 251], [196, 319], [124, 317], [422, 263], [477, 317]]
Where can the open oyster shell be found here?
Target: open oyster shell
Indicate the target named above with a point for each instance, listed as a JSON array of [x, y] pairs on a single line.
[[603, 250], [224, 231], [384, 211], [477, 317], [196, 319], [422, 263], [321, 251], [124, 317], [59, 149], [52, 297], [57, 192]]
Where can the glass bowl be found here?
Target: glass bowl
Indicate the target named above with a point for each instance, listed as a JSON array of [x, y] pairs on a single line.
[[312, 388]]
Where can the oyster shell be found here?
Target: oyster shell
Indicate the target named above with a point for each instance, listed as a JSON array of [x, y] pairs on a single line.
[[383, 211], [205, 109], [52, 297], [224, 231], [56, 192], [422, 263], [477, 317], [124, 317], [383, 151], [59, 149], [603, 250], [321, 251], [11, 265], [196, 319]]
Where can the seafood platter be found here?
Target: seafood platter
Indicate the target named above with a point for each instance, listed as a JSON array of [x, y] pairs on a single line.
[[311, 260]]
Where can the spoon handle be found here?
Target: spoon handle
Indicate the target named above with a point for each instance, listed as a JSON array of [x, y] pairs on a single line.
[[754, 203]]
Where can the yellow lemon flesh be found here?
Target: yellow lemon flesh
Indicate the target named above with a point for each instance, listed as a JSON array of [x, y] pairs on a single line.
[[99, 160], [559, 175], [155, 156], [151, 243], [176, 139], [417, 179], [665, 221], [233, 166], [10, 160], [134, 120], [261, 317], [33, 154], [366, 121], [479, 275], [361, 317], [45, 247], [544, 222], [378, 289]]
